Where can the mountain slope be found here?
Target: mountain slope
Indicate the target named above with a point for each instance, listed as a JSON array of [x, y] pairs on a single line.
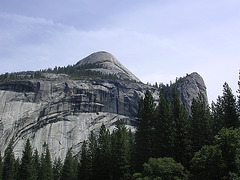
[[61, 111], [108, 65]]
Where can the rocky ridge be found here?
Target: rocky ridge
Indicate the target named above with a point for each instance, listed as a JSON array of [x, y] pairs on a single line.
[[61, 112]]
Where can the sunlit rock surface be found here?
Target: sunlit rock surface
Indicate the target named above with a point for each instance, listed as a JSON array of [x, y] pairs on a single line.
[[61, 112]]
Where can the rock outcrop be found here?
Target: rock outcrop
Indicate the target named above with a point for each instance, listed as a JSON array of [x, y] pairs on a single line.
[[189, 87], [110, 65], [61, 112]]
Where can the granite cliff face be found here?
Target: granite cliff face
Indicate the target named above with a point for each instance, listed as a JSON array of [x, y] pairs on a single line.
[[61, 112]]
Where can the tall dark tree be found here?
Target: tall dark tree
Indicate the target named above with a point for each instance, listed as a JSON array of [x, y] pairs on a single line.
[[208, 163], [238, 100], [17, 169], [228, 141], [48, 161], [201, 123], [36, 164], [103, 159], [181, 122], [68, 169], [8, 163], [46, 172], [57, 168], [229, 108], [92, 152], [1, 167], [121, 155], [85, 167], [217, 115], [143, 136], [163, 129], [27, 168]]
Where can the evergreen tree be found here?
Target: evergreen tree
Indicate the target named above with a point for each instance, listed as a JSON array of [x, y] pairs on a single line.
[[201, 124], [57, 168], [238, 101], [46, 172], [208, 163], [8, 163], [27, 168], [229, 108], [75, 168], [48, 161], [181, 122], [36, 164], [85, 170], [121, 152], [217, 115], [143, 136], [228, 141], [68, 169], [104, 154], [92, 152], [163, 129], [17, 169], [1, 167]]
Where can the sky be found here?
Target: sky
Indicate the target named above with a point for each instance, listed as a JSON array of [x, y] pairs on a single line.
[[156, 40]]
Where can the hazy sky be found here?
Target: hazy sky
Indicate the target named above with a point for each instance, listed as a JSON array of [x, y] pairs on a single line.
[[156, 40]]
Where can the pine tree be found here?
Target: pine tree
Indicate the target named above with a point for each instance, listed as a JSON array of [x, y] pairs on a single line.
[[163, 129], [217, 115], [121, 153], [201, 124], [36, 164], [57, 168], [45, 172], [42, 170], [92, 152], [1, 167], [84, 168], [26, 168], [229, 108], [143, 136], [8, 163], [49, 172], [68, 169], [181, 122], [104, 154], [17, 169]]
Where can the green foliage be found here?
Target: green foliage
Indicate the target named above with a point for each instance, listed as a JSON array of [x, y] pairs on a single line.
[[8, 163], [229, 108], [104, 154], [84, 169], [27, 167], [74, 72], [162, 168], [182, 139], [107, 156], [45, 170], [68, 167], [121, 152], [143, 136], [1, 167], [57, 169], [201, 124], [228, 141], [208, 163], [221, 160], [163, 134], [36, 164]]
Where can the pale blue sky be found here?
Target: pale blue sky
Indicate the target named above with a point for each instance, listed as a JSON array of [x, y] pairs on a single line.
[[156, 40]]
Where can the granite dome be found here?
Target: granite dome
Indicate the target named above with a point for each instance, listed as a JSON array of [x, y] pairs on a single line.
[[109, 65]]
